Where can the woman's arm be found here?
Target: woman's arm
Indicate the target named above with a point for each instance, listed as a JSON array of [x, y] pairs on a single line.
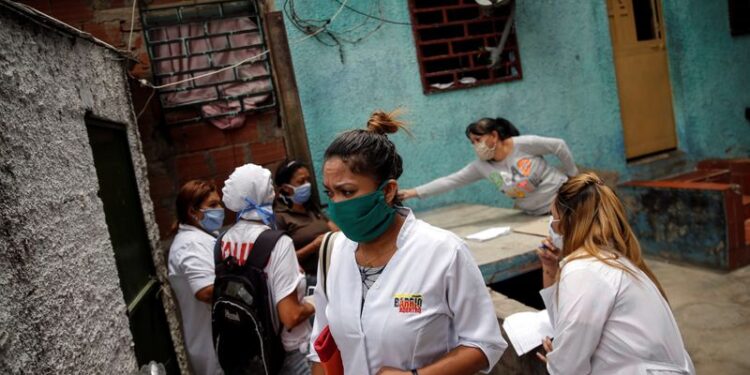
[[462, 360], [537, 145], [292, 311], [465, 176], [584, 303], [310, 248]]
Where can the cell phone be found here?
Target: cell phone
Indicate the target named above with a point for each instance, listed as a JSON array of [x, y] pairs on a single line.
[[310, 290]]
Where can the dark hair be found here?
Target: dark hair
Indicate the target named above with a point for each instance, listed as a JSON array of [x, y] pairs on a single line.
[[286, 170], [369, 151], [191, 195], [503, 127]]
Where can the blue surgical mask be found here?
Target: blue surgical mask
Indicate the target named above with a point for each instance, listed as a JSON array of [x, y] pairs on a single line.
[[302, 193], [213, 218]]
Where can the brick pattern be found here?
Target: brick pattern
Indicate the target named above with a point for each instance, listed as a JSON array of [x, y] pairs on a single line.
[[175, 154], [451, 37]]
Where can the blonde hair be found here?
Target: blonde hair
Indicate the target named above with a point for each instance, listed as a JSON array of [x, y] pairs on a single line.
[[593, 219]]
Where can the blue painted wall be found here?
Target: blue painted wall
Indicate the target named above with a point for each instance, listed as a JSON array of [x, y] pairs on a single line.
[[568, 90]]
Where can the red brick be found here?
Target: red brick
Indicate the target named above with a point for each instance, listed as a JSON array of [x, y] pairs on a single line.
[[165, 219], [196, 137], [73, 12], [40, 5], [191, 166], [269, 152], [161, 186], [108, 31], [247, 133], [227, 159]]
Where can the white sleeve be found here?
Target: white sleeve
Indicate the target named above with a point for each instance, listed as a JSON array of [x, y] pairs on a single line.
[[284, 272], [473, 313], [584, 303], [197, 267], [321, 302], [537, 145], [465, 176]]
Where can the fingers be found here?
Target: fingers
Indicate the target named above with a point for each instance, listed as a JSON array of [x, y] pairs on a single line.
[[547, 344], [541, 357]]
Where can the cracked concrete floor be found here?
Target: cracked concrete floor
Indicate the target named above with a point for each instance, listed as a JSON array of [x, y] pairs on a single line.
[[713, 312]]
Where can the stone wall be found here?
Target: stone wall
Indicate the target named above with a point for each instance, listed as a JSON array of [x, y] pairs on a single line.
[[61, 307]]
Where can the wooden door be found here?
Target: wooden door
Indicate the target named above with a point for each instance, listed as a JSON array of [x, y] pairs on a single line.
[[118, 191], [636, 28]]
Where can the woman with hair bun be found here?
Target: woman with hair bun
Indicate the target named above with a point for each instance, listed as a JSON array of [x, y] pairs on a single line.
[[609, 313], [401, 296], [512, 162]]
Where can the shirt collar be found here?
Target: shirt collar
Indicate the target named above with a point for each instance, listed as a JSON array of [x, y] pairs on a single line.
[[408, 226]]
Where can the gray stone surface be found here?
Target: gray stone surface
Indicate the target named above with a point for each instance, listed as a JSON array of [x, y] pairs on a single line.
[[61, 307]]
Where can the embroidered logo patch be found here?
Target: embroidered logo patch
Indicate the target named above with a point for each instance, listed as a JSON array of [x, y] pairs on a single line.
[[408, 303]]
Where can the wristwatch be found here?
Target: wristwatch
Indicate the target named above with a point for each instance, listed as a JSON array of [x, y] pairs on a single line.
[[414, 372]]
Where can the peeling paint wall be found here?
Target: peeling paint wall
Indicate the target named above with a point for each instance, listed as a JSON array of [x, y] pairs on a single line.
[[61, 307], [568, 90]]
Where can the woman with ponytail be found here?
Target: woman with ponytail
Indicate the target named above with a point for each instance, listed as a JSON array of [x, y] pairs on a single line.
[[609, 313], [400, 296], [514, 163]]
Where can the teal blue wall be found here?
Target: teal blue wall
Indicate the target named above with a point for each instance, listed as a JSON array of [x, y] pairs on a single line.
[[568, 89]]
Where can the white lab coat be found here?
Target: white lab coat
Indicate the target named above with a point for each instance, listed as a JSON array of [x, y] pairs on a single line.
[[191, 268], [429, 299], [609, 322]]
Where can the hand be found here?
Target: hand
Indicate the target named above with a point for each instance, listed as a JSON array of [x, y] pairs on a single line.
[[547, 345], [406, 194], [549, 255], [318, 241], [392, 371]]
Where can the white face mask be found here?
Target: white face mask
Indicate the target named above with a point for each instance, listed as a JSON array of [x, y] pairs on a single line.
[[557, 238], [483, 151]]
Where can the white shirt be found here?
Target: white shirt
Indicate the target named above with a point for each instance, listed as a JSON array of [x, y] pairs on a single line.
[[430, 299], [191, 268], [608, 322], [284, 276]]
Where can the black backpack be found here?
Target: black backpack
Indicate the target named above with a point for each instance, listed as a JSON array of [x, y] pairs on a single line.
[[242, 315]]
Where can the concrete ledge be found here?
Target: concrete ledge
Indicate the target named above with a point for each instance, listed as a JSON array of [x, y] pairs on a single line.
[[510, 363]]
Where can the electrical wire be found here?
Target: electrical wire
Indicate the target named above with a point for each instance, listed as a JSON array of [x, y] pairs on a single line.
[[132, 19], [374, 17]]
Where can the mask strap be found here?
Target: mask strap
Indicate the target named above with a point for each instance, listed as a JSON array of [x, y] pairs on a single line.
[[266, 215]]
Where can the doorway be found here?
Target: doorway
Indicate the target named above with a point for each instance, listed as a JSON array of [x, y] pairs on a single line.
[[118, 191], [637, 31]]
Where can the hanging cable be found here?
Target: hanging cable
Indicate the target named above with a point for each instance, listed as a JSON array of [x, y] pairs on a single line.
[[374, 17]]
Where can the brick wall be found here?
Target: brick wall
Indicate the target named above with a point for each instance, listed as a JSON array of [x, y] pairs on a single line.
[[175, 154]]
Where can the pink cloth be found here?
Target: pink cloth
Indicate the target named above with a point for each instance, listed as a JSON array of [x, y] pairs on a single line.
[[202, 61]]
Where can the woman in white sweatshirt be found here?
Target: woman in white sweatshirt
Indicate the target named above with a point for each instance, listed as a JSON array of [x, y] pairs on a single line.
[[609, 313], [512, 162]]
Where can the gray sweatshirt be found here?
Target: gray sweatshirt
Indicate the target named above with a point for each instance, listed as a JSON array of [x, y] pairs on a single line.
[[523, 175]]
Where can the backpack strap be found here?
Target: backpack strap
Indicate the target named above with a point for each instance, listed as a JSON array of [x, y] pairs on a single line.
[[217, 249], [263, 247], [324, 261]]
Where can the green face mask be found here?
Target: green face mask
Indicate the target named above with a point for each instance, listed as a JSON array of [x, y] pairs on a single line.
[[364, 218]]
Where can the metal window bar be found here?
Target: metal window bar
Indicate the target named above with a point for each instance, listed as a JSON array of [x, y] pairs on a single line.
[[157, 19], [467, 62]]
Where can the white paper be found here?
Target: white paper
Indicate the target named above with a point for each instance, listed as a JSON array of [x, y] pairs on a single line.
[[489, 234], [526, 330]]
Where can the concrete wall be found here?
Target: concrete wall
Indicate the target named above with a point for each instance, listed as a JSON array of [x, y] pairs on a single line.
[[61, 307], [568, 90]]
